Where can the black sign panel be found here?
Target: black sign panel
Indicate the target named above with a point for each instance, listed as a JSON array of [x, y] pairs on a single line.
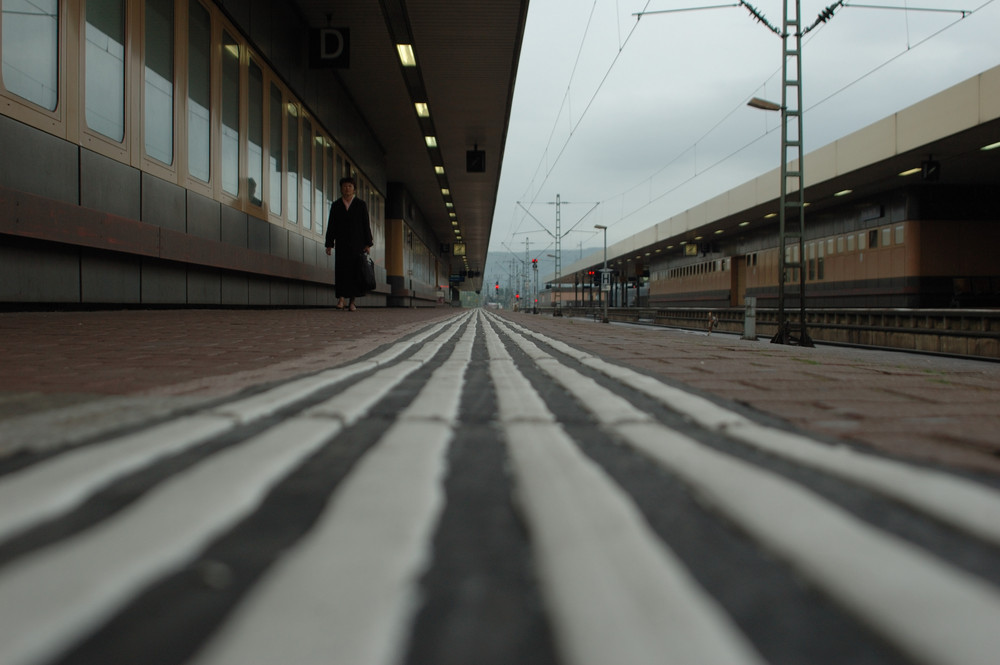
[[330, 47], [475, 161]]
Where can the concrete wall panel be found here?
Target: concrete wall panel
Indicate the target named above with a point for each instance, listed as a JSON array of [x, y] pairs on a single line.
[[235, 289], [163, 282], [37, 162], [204, 217], [109, 186], [234, 227], [204, 286], [34, 272], [107, 277], [163, 203]]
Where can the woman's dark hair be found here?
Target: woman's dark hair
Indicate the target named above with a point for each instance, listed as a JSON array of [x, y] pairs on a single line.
[[347, 179]]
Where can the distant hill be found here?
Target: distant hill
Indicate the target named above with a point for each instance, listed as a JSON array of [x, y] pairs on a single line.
[[502, 267]]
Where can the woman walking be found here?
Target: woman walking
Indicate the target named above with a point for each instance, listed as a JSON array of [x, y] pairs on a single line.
[[349, 231]]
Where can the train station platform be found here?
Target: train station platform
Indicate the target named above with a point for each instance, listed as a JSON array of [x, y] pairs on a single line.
[[66, 374], [440, 485]]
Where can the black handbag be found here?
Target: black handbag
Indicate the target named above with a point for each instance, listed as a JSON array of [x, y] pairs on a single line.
[[367, 272]]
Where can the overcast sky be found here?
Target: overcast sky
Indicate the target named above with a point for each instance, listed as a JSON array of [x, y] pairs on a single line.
[[631, 121]]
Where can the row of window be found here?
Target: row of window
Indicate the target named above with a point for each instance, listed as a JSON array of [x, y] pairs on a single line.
[[194, 103], [815, 251]]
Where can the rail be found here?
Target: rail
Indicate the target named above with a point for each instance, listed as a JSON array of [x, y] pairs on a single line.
[[971, 333]]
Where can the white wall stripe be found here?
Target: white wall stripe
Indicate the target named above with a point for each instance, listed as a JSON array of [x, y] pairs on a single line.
[[903, 593], [616, 593]]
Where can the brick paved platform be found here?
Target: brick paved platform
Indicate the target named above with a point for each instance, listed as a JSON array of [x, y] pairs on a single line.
[[66, 376]]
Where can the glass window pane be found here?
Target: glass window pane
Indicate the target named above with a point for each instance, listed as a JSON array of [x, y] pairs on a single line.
[[306, 174], [255, 154], [293, 164], [105, 68], [159, 99], [199, 92], [275, 152], [331, 187], [31, 50], [318, 190], [230, 115]]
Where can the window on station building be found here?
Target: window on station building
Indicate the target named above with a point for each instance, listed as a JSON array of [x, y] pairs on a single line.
[[230, 115], [331, 186], [861, 241], [275, 149], [158, 100], [255, 134], [293, 164], [850, 243], [318, 190], [105, 68], [199, 118], [886, 236], [31, 50], [873, 238], [307, 174], [899, 234], [840, 244], [819, 261]]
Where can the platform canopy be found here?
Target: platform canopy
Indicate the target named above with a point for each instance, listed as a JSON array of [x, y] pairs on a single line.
[[466, 54]]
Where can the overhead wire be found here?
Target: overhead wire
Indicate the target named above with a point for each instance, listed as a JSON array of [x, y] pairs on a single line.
[[622, 44], [625, 215], [551, 167]]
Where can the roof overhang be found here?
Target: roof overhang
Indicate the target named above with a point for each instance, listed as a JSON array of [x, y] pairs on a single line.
[[950, 128], [466, 55]]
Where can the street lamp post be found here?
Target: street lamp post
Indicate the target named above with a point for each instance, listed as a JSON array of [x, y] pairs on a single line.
[[605, 280]]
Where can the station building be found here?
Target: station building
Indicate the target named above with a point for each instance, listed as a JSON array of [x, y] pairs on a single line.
[[187, 152]]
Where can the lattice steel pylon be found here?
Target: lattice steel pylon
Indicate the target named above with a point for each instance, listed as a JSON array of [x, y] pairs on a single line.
[[792, 179]]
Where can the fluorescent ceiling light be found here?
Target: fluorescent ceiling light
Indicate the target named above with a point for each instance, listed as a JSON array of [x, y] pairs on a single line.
[[422, 110], [910, 171], [844, 192], [406, 55], [439, 170], [992, 146], [445, 191], [431, 141]]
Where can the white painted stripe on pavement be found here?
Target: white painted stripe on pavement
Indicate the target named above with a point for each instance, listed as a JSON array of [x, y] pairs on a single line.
[[965, 505], [617, 594], [348, 591], [350, 406], [442, 396], [935, 613], [53, 487], [266, 403], [52, 598], [509, 383], [50, 488]]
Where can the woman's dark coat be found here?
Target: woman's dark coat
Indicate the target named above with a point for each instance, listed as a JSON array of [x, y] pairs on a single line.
[[348, 231]]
